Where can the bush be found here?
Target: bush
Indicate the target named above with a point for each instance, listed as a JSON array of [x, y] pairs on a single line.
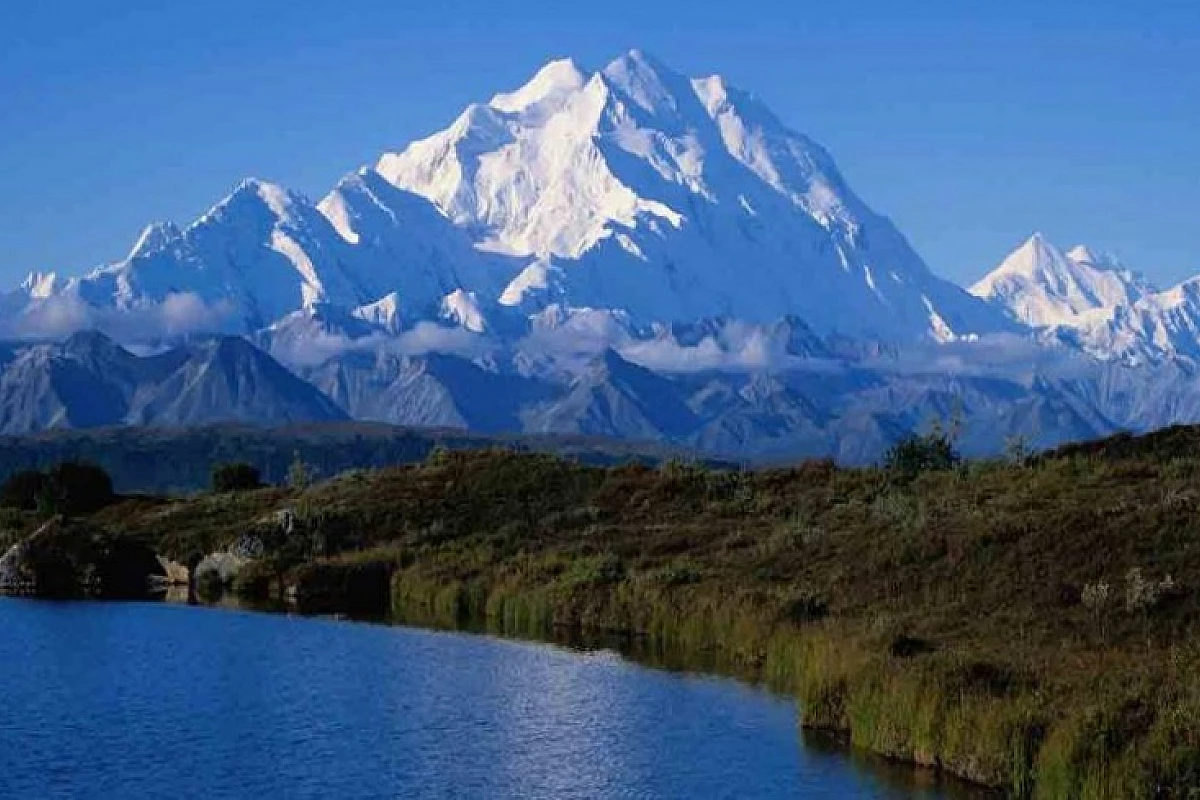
[[69, 488], [359, 585], [253, 582], [23, 490], [210, 585], [235, 477], [918, 453], [904, 646], [806, 607], [79, 488], [300, 473], [65, 559]]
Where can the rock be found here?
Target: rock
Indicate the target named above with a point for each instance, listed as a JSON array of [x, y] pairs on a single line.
[[13, 577], [175, 574], [64, 559], [225, 564]]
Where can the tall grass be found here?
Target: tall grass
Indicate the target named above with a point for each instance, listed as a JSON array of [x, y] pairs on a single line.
[[954, 618]]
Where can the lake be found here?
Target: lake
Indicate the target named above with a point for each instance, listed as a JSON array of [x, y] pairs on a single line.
[[132, 700]]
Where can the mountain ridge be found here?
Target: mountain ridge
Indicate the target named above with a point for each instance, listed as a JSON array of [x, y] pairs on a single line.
[[632, 188], [1095, 304]]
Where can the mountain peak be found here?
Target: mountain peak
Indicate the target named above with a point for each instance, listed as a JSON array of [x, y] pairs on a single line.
[[1037, 253], [384, 312], [633, 191], [257, 192], [40, 285], [557, 78], [637, 59], [645, 80], [1041, 286], [92, 344]]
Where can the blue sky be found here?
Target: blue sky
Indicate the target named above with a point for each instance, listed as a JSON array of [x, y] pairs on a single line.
[[970, 124]]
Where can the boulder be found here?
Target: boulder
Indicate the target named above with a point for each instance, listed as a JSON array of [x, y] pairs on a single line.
[[225, 564], [176, 574]]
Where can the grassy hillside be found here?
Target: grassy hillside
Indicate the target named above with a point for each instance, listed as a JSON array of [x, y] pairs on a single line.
[[1034, 627]]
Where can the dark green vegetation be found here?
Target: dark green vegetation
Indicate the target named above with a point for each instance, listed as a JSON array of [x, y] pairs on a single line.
[[66, 488], [919, 453], [236, 477], [1032, 625], [180, 460], [70, 559]]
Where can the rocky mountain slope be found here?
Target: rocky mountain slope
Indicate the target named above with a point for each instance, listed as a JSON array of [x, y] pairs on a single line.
[[90, 381]]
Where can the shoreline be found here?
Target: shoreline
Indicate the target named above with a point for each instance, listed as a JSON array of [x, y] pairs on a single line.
[[635, 649], [777, 664], [1033, 627]]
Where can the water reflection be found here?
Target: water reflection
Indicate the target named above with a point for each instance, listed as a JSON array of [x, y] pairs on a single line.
[[120, 700]]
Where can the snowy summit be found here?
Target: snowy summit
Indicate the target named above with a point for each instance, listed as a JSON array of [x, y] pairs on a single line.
[[633, 189]]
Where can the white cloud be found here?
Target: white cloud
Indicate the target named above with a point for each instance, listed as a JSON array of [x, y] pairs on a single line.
[[316, 347], [59, 316]]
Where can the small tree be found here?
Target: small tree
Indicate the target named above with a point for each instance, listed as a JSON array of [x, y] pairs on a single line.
[[79, 488], [438, 455], [235, 477], [23, 489], [1017, 450], [918, 453], [300, 474], [69, 488]]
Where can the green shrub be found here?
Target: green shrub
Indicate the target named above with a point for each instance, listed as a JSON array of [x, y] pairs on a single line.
[[70, 559], [300, 473], [68, 488], [23, 489], [805, 607], [209, 585], [235, 477], [253, 581], [357, 584], [83, 487], [595, 570], [919, 453]]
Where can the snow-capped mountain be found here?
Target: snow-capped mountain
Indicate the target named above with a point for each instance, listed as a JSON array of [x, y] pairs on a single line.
[[632, 189], [1042, 286], [1160, 326], [672, 199], [621, 252], [1095, 304]]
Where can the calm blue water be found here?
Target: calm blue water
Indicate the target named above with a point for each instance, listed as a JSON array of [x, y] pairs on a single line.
[[134, 700]]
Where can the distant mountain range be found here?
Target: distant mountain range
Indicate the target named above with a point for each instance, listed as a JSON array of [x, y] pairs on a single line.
[[625, 253], [1095, 304]]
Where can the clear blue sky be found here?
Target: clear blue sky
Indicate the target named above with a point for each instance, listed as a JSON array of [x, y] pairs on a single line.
[[969, 123]]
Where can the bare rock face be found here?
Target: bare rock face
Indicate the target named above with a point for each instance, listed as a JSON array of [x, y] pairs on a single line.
[[64, 559], [90, 381]]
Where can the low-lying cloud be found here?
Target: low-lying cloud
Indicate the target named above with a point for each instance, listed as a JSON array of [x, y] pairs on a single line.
[[180, 314], [317, 347]]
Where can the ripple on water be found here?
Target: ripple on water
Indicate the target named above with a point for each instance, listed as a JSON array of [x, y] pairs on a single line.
[[127, 700]]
